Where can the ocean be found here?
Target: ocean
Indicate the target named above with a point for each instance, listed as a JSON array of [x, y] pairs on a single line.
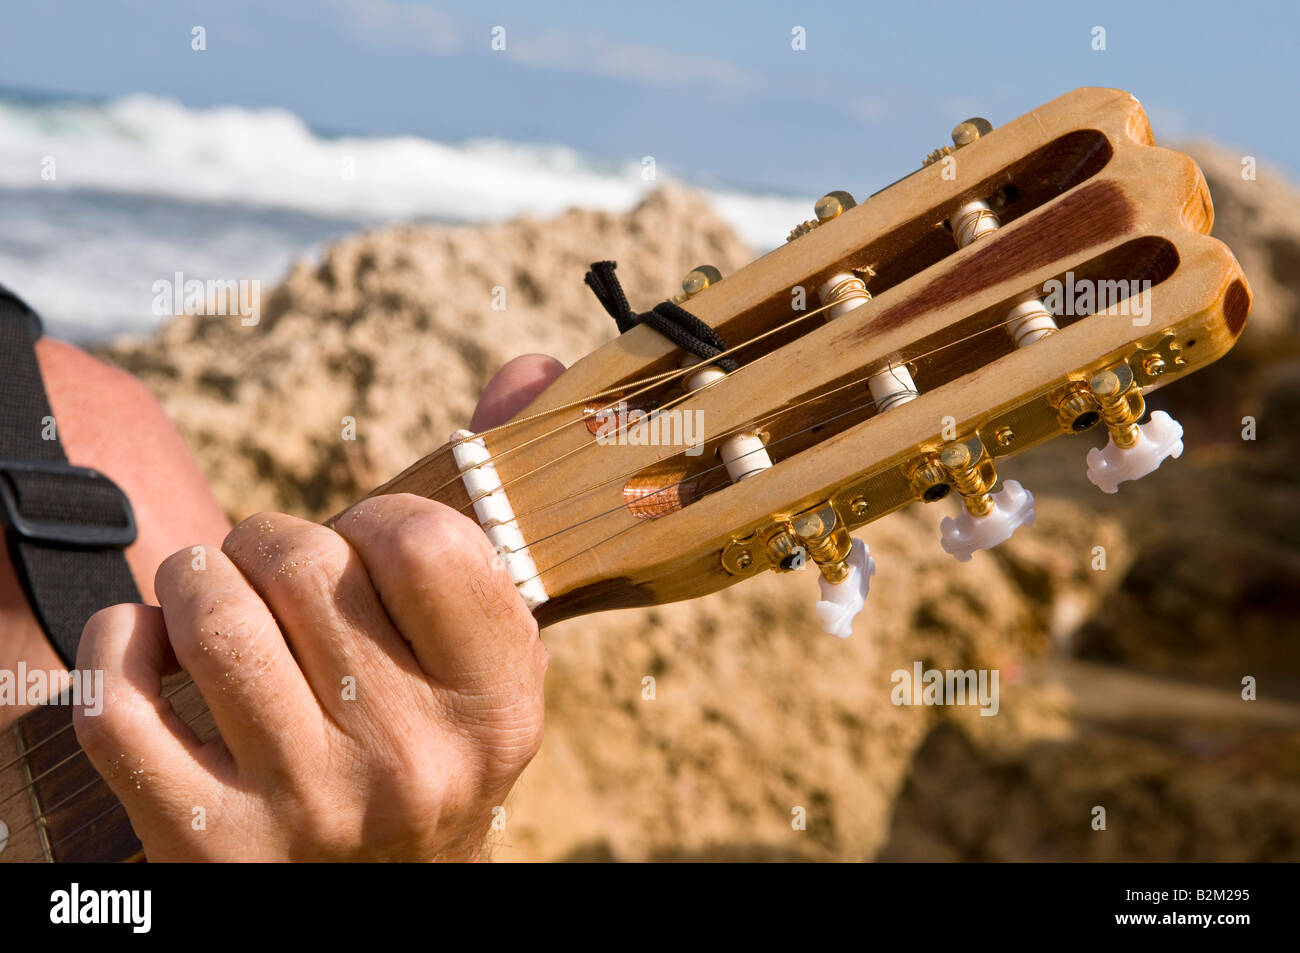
[[98, 200]]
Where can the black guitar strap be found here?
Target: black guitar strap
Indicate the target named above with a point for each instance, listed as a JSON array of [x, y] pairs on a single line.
[[66, 526]]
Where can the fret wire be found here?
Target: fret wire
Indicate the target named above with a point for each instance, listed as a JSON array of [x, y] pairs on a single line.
[[48, 770], [29, 785], [40, 857], [45, 812]]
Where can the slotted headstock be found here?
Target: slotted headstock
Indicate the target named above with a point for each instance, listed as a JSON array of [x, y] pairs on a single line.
[[1083, 199]]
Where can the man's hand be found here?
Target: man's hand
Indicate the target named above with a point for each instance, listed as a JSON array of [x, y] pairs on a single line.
[[377, 688]]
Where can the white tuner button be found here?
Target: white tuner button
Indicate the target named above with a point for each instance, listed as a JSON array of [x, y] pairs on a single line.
[[1013, 507], [1160, 437], [841, 602]]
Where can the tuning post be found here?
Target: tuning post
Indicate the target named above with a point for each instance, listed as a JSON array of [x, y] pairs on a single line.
[[963, 134], [743, 454], [1133, 450], [929, 480], [827, 542], [1030, 320], [696, 280], [846, 291], [970, 471], [1121, 403], [986, 518], [1077, 409], [826, 208]]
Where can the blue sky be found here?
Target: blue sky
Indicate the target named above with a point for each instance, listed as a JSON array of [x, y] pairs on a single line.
[[712, 90]]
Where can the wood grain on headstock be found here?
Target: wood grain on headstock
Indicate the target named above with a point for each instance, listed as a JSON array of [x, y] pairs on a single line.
[[1082, 190]]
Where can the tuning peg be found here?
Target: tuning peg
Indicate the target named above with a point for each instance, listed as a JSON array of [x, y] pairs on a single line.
[[1009, 509], [986, 518], [1134, 449], [841, 602], [1159, 438]]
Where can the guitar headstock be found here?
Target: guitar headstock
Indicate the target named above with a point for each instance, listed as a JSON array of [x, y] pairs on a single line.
[[1032, 280]]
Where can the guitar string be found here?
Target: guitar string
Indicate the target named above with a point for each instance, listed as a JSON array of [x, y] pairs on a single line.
[[553, 566], [743, 427], [45, 812], [695, 476], [552, 461], [891, 369], [821, 423], [757, 422], [64, 730], [27, 786], [185, 683], [775, 414], [80, 751], [40, 858], [656, 380], [724, 486]]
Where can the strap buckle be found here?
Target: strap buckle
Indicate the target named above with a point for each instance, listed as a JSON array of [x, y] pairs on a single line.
[[79, 533]]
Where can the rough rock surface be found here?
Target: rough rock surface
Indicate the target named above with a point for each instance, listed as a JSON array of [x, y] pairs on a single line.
[[756, 714]]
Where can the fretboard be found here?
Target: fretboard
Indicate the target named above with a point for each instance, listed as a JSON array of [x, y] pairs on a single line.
[[53, 802]]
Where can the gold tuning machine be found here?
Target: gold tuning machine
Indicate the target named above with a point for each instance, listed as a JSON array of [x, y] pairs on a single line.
[[816, 535], [971, 473], [1120, 403], [827, 541]]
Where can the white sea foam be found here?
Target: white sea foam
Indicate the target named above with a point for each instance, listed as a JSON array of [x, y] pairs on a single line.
[[144, 186], [146, 145]]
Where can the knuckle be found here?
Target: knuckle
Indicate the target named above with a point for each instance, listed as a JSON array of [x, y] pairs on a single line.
[[177, 571], [434, 533], [248, 530], [94, 733], [99, 631], [98, 734]]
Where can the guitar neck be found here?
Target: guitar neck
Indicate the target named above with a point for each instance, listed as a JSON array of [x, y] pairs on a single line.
[[53, 802]]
